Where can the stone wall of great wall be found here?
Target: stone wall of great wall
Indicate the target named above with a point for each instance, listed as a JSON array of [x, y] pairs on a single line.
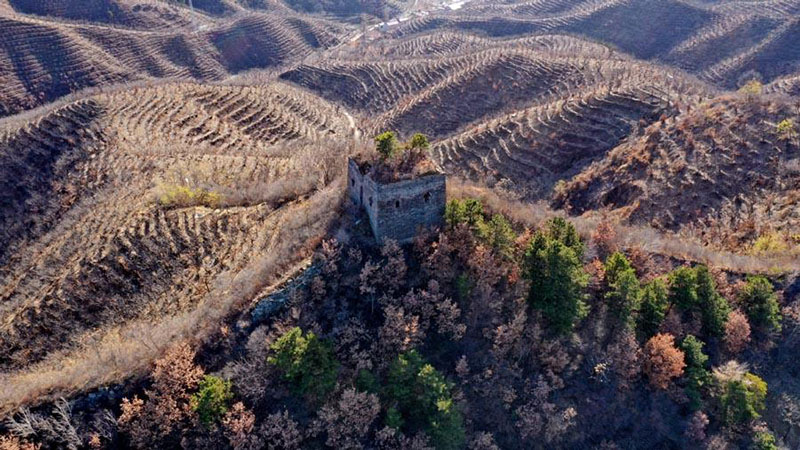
[[397, 210]]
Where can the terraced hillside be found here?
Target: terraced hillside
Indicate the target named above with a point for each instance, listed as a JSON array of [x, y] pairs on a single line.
[[43, 59], [524, 112], [530, 150], [722, 168], [535, 114], [438, 95], [376, 8], [720, 41], [151, 14], [787, 85], [135, 205]]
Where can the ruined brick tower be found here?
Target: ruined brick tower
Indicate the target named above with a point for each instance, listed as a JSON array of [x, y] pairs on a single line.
[[398, 209]]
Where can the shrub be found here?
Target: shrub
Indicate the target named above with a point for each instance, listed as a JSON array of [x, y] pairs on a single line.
[[177, 196], [424, 401], [557, 280], [418, 142], [752, 88], [769, 243], [761, 304], [308, 363], [713, 306], [786, 130], [386, 144], [654, 305], [742, 399], [605, 239], [211, 400], [9, 442], [764, 440], [662, 360]]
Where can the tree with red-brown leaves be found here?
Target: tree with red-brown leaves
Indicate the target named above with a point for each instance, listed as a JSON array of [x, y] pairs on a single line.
[[437, 261], [347, 420], [483, 441], [167, 407], [392, 273], [238, 425], [389, 438], [625, 355], [737, 332], [329, 255], [14, 443], [696, 428], [280, 432], [400, 332], [662, 360], [605, 239]]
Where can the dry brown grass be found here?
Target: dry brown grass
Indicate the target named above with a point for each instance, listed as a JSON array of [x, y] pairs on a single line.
[[125, 351], [108, 277]]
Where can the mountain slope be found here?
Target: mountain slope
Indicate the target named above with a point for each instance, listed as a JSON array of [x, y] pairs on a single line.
[[95, 236], [721, 168], [41, 60]]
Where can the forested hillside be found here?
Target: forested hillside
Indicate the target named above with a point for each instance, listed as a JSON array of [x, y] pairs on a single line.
[[617, 265]]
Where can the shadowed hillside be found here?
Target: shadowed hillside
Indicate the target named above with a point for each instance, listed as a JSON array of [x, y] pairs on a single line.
[[719, 41], [723, 167], [41, 60]]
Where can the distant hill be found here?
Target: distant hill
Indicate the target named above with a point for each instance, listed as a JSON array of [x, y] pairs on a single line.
[[42, 59]]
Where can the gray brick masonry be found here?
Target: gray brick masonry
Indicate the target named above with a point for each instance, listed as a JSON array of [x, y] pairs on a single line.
[[397, 210]]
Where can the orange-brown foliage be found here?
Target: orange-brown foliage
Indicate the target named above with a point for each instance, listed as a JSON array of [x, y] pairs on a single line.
[[737, 332], [174, 377], [662, 360]]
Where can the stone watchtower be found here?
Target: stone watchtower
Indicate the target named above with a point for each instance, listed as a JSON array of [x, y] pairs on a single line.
[[397, 208]]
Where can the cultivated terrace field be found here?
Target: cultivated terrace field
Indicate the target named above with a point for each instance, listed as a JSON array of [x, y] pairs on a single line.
[[618, 265]]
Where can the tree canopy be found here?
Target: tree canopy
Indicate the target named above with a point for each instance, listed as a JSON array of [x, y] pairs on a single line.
[[553, 267], [212, 398], [761, 304], [424, 401], [386, 144], [307, 362]]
